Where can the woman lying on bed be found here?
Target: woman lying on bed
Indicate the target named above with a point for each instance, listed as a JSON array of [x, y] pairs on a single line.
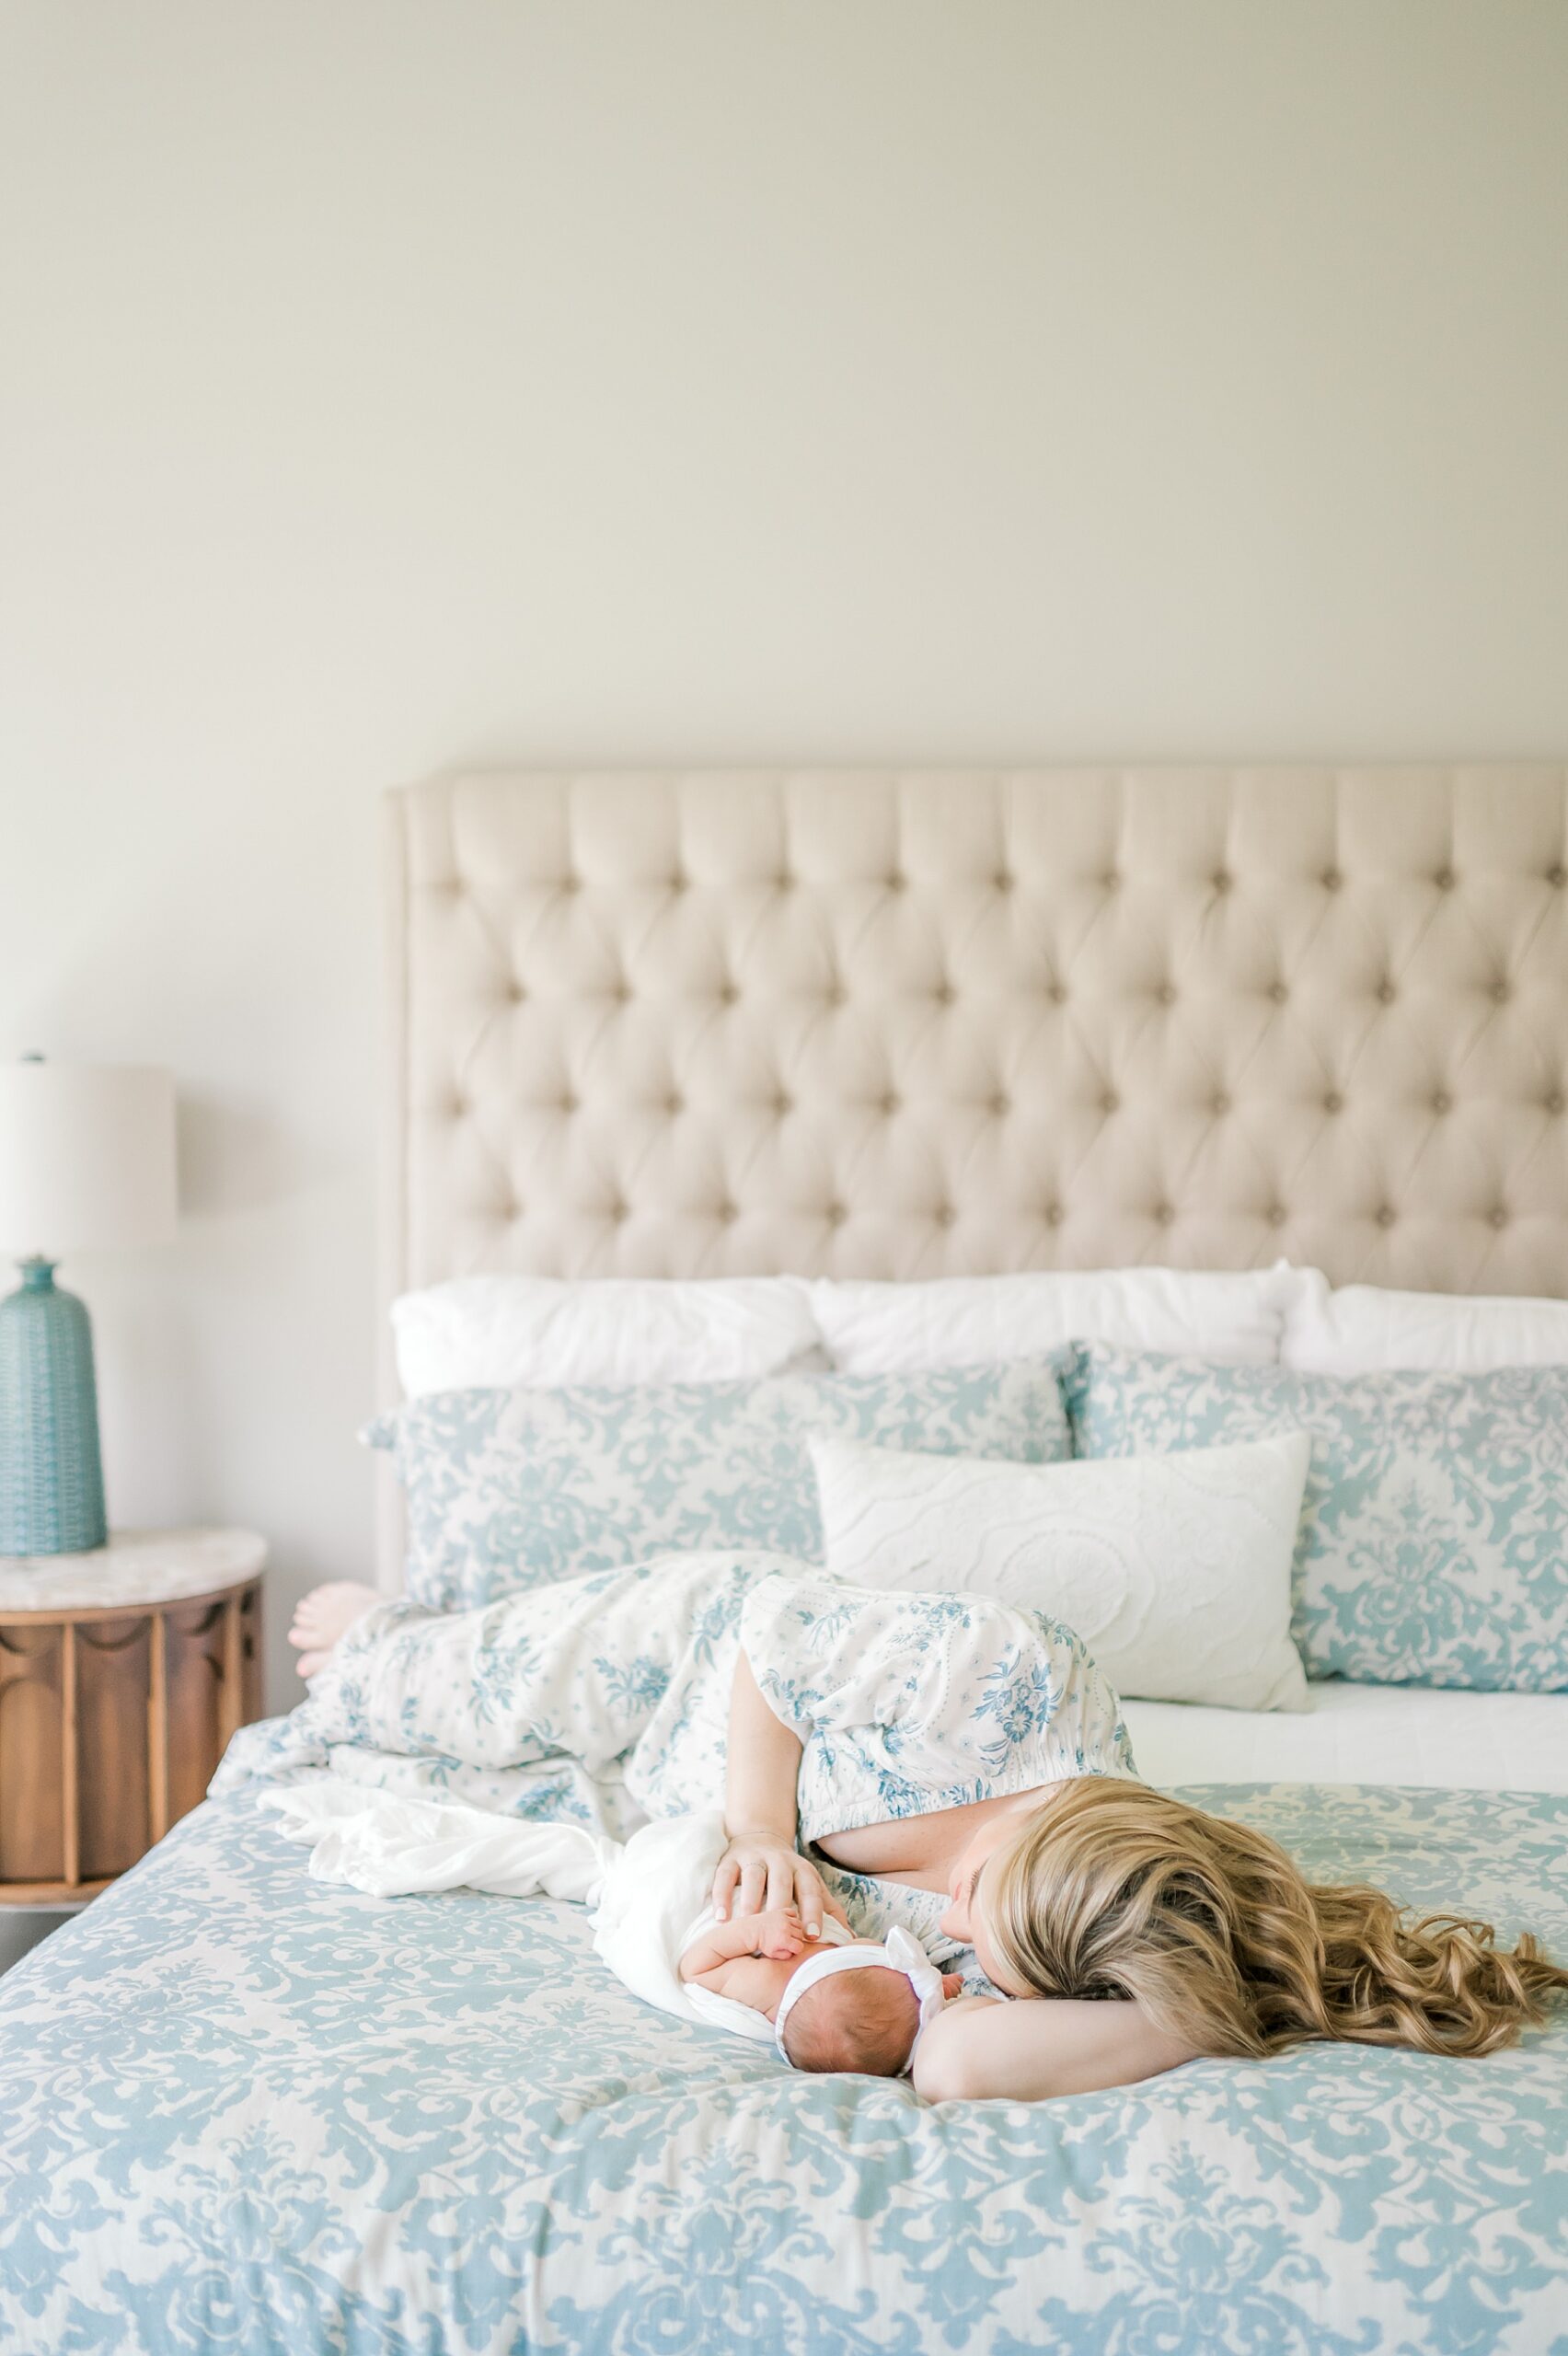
[[940, 1744]]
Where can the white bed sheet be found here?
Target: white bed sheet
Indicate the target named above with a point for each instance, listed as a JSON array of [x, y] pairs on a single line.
[[1361, 1733]]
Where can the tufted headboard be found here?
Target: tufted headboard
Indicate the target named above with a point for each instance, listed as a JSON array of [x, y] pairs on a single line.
[[899, 1023]]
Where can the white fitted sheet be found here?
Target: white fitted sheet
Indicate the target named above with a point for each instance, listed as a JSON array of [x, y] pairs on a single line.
[[1361, 1733]]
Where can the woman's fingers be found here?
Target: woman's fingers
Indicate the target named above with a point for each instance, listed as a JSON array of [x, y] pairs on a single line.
[[762, 1879], [724, 1882], [780, 1883], [816, 1899], [808, 1899], [753, 1882]]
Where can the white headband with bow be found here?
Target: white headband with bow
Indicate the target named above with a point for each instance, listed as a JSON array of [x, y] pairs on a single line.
[[898, 1952]]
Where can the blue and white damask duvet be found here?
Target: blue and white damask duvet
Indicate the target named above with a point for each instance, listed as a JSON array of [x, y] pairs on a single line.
[[242, 2111]]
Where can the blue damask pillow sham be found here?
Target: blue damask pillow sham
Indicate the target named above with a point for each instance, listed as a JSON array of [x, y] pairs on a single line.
[[509, 1489], [1433, 1546]]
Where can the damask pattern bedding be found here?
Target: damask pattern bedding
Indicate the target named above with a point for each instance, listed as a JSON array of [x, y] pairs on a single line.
[[243, 2111]]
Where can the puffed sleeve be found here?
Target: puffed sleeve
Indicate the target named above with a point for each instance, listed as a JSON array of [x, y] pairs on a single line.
[[828, 1655], [922, 1700]]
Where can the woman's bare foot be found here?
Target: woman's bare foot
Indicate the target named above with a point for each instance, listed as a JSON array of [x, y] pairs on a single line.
[[322, 1616]]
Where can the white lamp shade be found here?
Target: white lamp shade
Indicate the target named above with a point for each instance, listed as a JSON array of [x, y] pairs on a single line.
[[87, 1157]]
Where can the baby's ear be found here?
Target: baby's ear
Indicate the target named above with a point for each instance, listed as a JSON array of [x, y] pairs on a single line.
[[952, 1984]]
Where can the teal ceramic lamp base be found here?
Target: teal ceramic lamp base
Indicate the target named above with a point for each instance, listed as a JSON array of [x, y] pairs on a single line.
[[50, 1473]]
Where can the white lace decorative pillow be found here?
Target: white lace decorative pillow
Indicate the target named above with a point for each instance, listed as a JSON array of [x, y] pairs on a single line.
[[1175, 1570]]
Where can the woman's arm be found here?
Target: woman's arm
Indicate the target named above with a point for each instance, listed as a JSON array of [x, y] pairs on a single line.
[[1037, 2047], [761, 1868], [761, 1764]]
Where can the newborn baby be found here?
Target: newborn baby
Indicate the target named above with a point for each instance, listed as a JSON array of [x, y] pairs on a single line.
[[835, 2003]]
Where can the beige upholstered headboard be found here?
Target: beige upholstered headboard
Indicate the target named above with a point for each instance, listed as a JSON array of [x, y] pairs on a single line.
[[900, 1023]]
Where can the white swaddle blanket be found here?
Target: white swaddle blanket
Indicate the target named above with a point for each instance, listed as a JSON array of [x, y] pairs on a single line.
[[650, 1894]]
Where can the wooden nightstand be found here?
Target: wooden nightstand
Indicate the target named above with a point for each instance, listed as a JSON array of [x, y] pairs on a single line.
[[123, 1675]]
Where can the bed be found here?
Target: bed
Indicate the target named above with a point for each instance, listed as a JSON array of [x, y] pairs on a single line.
[[888, 1025]]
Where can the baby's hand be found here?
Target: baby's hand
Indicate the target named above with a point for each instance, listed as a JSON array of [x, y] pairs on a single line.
[[779, 1934]]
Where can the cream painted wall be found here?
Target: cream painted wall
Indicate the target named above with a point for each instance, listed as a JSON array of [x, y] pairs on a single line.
[[385, 386]]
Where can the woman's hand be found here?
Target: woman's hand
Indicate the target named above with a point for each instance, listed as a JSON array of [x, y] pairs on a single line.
[[760, 1871]]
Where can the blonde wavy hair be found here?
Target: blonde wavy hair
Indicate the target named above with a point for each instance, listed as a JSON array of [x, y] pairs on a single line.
[[1112, 1889]]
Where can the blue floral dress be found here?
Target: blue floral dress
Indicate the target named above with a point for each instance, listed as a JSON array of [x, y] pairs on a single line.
[[605, 1698]]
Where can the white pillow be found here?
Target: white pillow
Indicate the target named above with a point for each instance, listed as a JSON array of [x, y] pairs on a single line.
[[511, 1332], [1362, 1329], [1175, 1570], [972, 1321]]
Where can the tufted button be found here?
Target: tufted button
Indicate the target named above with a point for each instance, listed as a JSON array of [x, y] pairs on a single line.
[[1109, 1102], [1500, 1217], [783, 881], [1163, 1214], [674, 1103], [1001, 1105], [1442, 1102], [1003, 880], [679, 881], [1386, 992], [943, 993], [945, 1214], [897, 883], [728, 993], [458, 1106], [616, 1209], [1501, 992], [1166, 994], [1278, 992], [512, 1209], [566, 1102], [1554, 1102], [835, 1214], [1275, 1214], [1111, 881], [1333, 1102], [1557, 877], [1444, 878], [1221, 879], [1385, 1216], [835, 994], [1332, 880], [783, 1105], [724, 1213], [515, 993], [1053, 1214], [1057, 993], [570, 884], [1219, 1105], [888, 1103], [620, 989]]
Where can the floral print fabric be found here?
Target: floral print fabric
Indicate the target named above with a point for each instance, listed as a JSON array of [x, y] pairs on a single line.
[[242, 2111], [607, 1699], [908, 1703], [508, 1489], [1433, 1546]]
